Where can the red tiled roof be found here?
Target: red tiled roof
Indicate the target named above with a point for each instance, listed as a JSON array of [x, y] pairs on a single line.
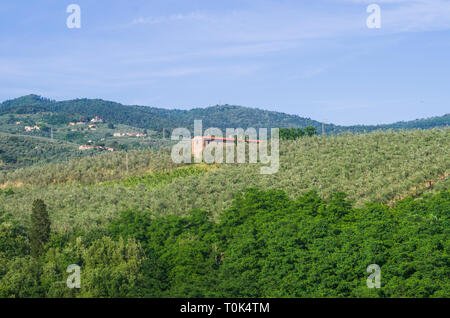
[[230, 139]]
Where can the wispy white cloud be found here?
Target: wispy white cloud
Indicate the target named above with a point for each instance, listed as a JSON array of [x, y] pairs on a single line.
[[410, 15], [69, 71], [190, 16], [174, 72], [418, 16], [230, 51], [279, 26], [178, 72]]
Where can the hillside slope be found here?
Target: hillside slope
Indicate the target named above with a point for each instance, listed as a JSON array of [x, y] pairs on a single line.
[[377, 167], [17, 151]]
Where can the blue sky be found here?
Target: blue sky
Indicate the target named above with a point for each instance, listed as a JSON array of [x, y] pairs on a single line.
[[313, 58]]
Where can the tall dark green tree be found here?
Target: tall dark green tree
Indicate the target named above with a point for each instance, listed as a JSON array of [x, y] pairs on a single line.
[[40, 228], [310, 131]]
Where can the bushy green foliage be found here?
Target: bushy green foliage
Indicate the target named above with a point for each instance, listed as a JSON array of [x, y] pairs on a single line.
[[297, 254], [295, 133], [6, 192], [264, 245], [108, 268], [13, 240], [291, 133]]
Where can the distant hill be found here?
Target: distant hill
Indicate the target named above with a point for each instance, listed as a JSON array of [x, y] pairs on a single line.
[[426, 123], [136, 116], [224, 116]]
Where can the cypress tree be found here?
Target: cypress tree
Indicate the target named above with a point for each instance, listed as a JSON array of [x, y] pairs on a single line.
[[40, 228]]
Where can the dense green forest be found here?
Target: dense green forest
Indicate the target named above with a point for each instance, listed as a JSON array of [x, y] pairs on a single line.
[[264, 245], [221, 116]]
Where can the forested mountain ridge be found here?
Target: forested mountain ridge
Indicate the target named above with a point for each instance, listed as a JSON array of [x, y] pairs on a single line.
[[141, 117], [221, 116], [425, 123]]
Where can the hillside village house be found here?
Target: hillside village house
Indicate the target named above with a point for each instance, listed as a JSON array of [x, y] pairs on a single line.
[[87, 147], [199, 143], [96, 119], [129, 134], [31, 128]]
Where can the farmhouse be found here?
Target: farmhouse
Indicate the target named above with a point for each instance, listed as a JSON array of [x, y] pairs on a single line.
[[199, 143], [96, 119], [87, 147], [118, 134], [31, 128]]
